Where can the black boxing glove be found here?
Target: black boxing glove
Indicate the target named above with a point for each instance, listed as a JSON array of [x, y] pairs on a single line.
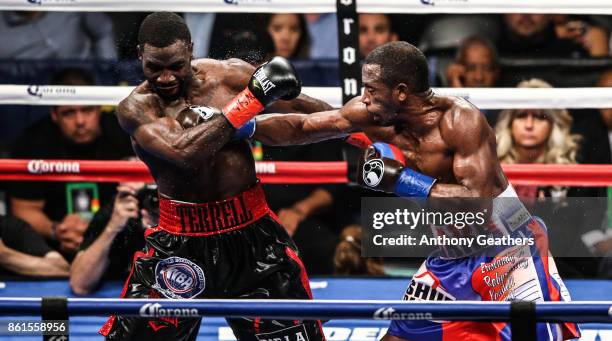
[[389, 175], [274, 80], [195, 114]]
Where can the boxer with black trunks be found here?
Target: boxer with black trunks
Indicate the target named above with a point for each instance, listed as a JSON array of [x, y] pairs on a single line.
[[427, 145], [216, 236]]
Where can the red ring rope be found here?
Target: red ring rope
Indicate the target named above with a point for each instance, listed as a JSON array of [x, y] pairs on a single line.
[[283, 172]]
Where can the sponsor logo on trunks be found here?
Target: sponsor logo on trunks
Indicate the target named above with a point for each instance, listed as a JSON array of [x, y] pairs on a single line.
[[212, 217], [423, 292], [204, 112], [426, 287], [177, 277], [295, 333], [373, 171], [264, 83], [388, 313], [42, 166], [157, 310]]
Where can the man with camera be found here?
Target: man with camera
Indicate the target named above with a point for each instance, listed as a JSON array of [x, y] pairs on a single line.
[[112, 237]]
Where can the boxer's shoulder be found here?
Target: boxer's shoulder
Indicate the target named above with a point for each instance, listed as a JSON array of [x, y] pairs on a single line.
[[460, 118]]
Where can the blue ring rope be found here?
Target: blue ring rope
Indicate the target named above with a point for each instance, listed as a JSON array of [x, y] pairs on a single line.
[[316, 309]]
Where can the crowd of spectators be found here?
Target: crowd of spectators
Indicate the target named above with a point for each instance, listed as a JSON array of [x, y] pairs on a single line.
[[97, 227]]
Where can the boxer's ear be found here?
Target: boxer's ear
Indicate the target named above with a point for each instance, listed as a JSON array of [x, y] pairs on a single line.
[[139, 49], [402, 92]]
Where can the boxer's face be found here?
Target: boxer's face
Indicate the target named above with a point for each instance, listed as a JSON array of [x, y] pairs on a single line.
[[167, 69], [79, 124], [378, 97], [530, 128]]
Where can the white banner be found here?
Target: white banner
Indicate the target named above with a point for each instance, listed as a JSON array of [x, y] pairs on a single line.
[[315, 6], [484, 98]]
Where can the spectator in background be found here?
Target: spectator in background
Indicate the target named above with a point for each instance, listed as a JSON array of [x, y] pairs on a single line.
[[476, 66], [113, 236], [60, 211], [201, 27], [56, 35], [24, 252], [374, 30], [593, 38], [596, 129], [543, 136], [533, 35], [347, 257], [289, 35], [323, 31]]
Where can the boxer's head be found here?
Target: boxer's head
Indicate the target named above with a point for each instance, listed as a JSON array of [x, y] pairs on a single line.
[[391, 74], [165, 50]]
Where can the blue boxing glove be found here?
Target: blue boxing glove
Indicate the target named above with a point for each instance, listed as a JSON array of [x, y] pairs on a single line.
[[390, 175]]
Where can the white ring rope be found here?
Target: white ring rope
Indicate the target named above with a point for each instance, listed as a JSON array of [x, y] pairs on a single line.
[[316, 6], [483, 98]]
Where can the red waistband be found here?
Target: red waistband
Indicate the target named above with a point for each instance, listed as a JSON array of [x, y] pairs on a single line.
[[204, 219]]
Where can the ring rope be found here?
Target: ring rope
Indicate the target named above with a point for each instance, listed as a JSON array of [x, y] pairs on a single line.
[[284, 172], [315, 6], [484, 98], [315, 309]]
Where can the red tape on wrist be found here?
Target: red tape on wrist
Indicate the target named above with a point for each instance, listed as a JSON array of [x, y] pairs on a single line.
[[242, 108], [359, 140]]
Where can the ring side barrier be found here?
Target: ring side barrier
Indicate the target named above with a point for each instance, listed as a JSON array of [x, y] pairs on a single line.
[[315, 6], [316, 309], [483, 98], [284, 172]]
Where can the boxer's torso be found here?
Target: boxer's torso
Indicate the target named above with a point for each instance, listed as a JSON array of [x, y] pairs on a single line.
[[426, 150], [230, 171]]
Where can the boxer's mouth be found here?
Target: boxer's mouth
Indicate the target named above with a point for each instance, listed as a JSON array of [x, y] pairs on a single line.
[[168, 89]]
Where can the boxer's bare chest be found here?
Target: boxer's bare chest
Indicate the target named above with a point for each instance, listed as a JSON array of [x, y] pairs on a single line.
[[427, 153]]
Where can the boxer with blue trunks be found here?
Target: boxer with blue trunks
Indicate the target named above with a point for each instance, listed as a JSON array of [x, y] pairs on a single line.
[[421, 144]]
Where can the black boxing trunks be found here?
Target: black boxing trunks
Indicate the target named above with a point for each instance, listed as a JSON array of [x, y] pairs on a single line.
[[233, 248]]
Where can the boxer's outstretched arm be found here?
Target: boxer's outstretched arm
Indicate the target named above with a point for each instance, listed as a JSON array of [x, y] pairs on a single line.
[[294, 129], [164, 136], [475, 164]]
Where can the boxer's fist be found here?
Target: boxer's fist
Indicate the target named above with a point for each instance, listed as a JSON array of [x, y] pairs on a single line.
[[389, 175], [376, 172], [274, 80], [195, 115]]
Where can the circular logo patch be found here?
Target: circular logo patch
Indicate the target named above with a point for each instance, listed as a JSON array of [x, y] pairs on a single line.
[[372, 172], [177, 277]]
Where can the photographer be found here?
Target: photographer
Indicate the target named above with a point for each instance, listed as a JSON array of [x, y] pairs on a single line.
[[113, 236]]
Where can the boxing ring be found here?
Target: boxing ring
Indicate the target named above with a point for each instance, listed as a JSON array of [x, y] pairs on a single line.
[[333, 305]]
